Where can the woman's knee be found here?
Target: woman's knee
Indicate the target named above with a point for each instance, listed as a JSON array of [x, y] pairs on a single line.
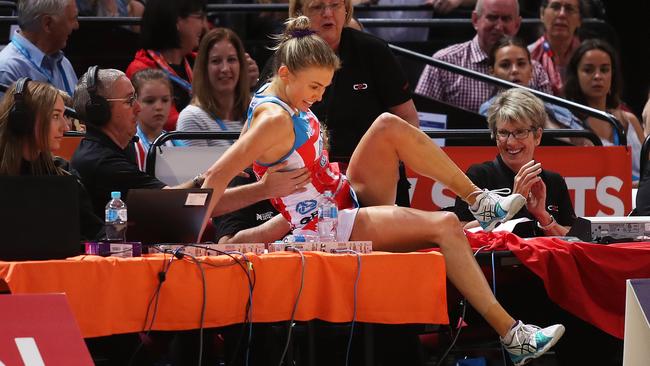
[[387, 123], [447, 224]]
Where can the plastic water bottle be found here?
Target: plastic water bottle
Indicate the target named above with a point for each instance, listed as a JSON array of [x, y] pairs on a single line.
[[328, 214], [116, 218]]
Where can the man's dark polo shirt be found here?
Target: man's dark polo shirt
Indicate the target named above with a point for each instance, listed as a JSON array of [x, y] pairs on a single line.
[[105, 167]]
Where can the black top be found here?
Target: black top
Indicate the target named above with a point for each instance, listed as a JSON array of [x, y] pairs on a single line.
[[247, 217], [90, 225], [105, 167], [369, 82], [182, 96], [496, 174]]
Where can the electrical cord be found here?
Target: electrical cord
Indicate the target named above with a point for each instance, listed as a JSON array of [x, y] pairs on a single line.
[[251, 286], [203, 302], [354, 303], [295, 305], [463, 304], [162, 276]]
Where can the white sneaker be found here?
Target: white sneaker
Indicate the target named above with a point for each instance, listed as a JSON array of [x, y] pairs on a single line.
[[525, 342], [493, 208]]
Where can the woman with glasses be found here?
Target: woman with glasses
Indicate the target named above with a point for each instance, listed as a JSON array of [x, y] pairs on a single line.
[[516, 119], [561, 19], [510, 60]]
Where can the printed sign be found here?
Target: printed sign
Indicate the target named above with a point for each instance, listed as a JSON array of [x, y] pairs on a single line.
[[599, 178]]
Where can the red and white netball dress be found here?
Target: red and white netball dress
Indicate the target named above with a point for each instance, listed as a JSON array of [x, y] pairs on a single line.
[[301, 209]]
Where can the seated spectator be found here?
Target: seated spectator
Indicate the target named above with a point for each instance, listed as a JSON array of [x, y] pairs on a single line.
[[492, 19], [154, 91], [220, 86], [112, 8], [105, 159], [594, 79], [561, 19], [516, 119], [28, 137], [509, 60], [35, 49], [170, 32]]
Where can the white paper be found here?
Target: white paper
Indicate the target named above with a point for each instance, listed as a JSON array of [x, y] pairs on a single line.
[[196, 199]]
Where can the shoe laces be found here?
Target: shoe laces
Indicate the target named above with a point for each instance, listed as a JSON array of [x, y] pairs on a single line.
[[500, 191], [523, 333]]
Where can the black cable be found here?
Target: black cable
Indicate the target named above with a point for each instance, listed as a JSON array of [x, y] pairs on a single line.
[[251, 286], [463, 304], [354, 306], [295, 305], [203, 304], [162, 275]]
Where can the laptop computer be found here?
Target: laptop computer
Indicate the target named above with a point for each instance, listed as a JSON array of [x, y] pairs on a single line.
[[39, 217], [166, 215]]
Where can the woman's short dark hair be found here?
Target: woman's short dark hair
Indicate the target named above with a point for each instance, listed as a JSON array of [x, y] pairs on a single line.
[[159, 30], [572, 90], [504, 42]]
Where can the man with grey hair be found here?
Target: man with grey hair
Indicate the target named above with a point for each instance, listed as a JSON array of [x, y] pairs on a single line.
[[516, 119], [35, 49], [105, 158], [491, 19]]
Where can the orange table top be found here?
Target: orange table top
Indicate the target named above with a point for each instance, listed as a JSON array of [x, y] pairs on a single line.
[[110, 295]]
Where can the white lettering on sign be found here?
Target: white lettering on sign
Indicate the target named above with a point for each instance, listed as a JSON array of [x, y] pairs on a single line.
[[580, 186], [607, 199], [439, 198], [29, 351]]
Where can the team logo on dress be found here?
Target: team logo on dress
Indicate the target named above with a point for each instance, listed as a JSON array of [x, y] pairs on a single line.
[[553, 208], [360, 86], [323, 161], [306, 206]]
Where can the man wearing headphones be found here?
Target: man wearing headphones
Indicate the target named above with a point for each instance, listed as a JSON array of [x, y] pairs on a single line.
[[35, 50], [105, 158]]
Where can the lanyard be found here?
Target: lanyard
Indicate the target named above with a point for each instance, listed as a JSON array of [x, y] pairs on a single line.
[[143, 139], [160, 61], [221, 124], [48, 75]]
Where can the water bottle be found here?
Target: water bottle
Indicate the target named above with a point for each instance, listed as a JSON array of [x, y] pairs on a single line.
[[328, 214], [116, 218]]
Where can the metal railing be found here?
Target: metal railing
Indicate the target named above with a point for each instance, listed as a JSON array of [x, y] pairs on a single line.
[[618, 128]]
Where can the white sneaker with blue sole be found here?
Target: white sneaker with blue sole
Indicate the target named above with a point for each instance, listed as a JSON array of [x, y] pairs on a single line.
[[525, 342], [491, 207]]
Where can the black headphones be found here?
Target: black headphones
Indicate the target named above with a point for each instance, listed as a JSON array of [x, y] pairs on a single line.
[[98, 110], [21, 118]]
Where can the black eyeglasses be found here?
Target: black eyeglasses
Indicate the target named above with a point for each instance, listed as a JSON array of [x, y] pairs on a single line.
[[319, 9], [128, 100], [503, 135]]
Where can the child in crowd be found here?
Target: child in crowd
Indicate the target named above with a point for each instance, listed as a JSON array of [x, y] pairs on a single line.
[[154, 91]]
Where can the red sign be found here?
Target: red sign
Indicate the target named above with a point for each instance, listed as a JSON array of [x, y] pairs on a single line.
[[39, 330], [599, 178]]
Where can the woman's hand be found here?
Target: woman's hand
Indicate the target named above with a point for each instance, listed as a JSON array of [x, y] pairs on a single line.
[[279, 184], [253, 70], [536, 202], [526, 177]]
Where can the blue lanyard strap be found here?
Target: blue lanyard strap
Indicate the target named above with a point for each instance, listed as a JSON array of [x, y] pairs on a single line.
[[143, 139], [221, 124], [48, 75]]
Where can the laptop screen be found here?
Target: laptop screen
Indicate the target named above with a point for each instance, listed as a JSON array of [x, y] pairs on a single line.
[[39, 218], [166, 215]]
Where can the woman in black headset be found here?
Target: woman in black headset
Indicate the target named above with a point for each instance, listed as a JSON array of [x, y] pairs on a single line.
[[32, 124]]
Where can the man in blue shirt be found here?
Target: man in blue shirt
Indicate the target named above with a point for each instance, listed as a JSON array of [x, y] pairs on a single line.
[[35, 50]]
